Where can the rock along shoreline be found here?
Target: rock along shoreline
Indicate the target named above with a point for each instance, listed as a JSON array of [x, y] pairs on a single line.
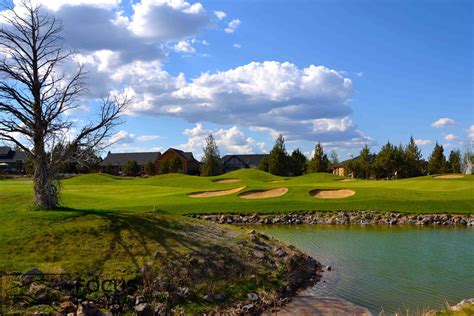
[[340, 218]]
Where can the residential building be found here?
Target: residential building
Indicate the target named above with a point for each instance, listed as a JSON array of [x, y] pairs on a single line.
[[12, 160], [235, 162]]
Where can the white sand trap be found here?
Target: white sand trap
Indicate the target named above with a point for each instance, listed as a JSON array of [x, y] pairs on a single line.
[[332, 194], [230, 180], [346, 180], [450, 176], [258, 194], [215, 193], [277, 180]]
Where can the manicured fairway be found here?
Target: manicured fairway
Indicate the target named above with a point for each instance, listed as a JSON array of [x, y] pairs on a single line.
[[169, 194]]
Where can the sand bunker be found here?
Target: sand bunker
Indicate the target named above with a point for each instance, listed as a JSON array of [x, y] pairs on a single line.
[[277, 180], [346, 180], [259, 194], [230, 180], [450, 176], [332, 193], [215, 193]]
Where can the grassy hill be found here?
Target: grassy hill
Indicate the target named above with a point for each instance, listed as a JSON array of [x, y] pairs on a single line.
[[169, 194], [116, 226]]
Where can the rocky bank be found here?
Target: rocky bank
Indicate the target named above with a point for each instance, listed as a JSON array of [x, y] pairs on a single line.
[[341, 217]]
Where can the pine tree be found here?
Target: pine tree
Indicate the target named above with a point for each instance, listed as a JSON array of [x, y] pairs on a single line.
[[413, 160], [437, 161], [131, 168], [176, 165], [299, 163], [278, 160], [211, 164], [384, 162], [150, 168], [364, 161], [320, 161], [263, 164], [455, 161]]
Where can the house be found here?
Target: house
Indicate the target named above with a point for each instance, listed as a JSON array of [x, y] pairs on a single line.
[[12, 160], [338, 169], [117, 161], [189, 165], [235, 162]]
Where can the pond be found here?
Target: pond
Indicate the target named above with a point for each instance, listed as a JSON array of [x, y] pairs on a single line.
[[388, 268]]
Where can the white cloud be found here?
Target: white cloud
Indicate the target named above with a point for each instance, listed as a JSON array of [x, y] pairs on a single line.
[[450, 137], [220, 14], [231, 140], [184, 47], [124, 137], [309, 103], [442, 122], [232, 26], [470, 132], [237, 45], [167, 19], [421, 142]]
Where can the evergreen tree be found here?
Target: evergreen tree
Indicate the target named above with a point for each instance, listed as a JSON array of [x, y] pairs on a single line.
[[165, 166], [278, 160], [320, 161], [150, 168], [299, 163], [455, 161], [263, 164], [211, 165], [364, 162], [413, 160], [384, 166], [131, 169], [176, 165], [399, 167], [437, 161], [352, 166]]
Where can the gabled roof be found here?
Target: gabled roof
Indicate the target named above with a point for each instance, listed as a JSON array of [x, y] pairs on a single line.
[[4, 151], [121, 159], [251, 159], [9, 155], [186, 155]]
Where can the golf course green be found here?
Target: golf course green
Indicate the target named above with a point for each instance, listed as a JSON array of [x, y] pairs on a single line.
[[115, 226]]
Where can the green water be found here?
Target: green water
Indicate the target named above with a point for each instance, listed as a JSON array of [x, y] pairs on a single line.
[[388, 268]]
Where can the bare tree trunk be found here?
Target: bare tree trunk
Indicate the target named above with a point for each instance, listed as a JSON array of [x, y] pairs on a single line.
[[46, 192]]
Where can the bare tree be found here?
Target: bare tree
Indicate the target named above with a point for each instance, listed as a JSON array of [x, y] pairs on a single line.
[[35, 96]]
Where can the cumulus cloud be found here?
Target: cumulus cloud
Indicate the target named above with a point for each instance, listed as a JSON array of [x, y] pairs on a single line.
[[442, 122], [230, 141], [184, 47], [450, 137], [232, 26], [124, 137], [470, 132], [421, 142], [309, 103], [220, 14], [167, 19]]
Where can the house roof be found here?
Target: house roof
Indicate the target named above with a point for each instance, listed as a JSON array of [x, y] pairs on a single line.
[[121, 159], [9, 155], [4, 151], [251, 159], [186, 155]]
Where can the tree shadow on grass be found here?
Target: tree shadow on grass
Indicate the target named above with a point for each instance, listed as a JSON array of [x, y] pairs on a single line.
[[141, 236]]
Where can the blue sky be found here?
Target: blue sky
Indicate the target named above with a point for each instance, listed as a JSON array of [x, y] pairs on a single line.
[[342, 72]]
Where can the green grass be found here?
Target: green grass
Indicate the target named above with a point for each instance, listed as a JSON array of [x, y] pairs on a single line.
[[114, 226], [168, 194]]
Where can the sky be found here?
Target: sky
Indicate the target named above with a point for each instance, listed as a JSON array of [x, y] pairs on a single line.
[[345, 73]]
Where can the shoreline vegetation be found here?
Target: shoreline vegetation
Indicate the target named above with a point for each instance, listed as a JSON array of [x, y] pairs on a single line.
[[340, 218]]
